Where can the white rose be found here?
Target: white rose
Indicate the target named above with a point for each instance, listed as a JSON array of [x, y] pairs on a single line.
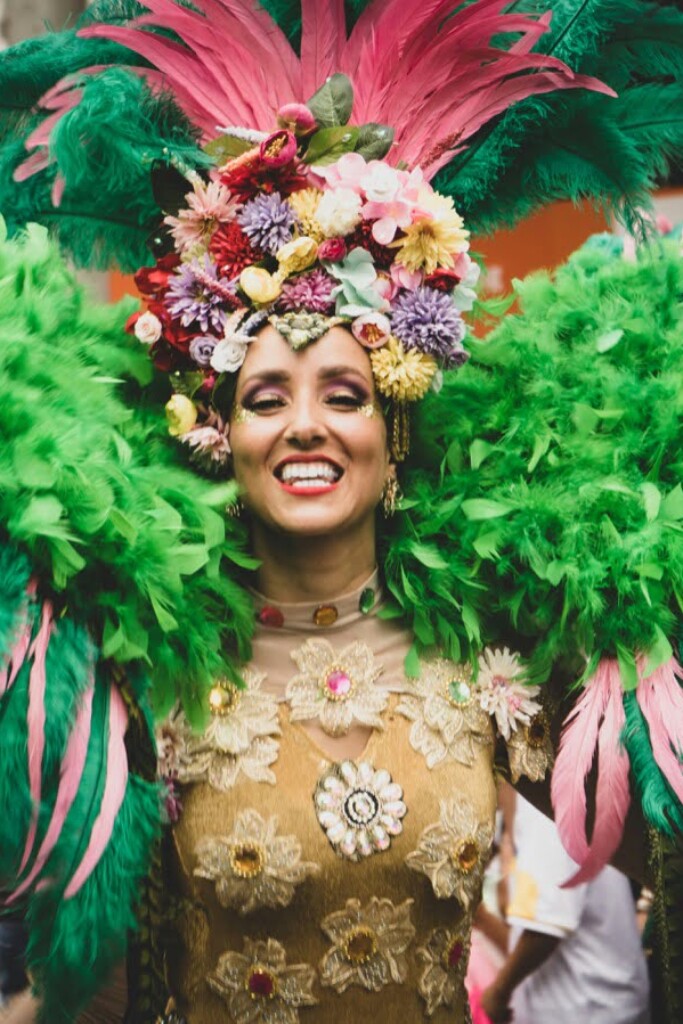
[[338, 212], [148, 328], [382, 183], [229, 354]]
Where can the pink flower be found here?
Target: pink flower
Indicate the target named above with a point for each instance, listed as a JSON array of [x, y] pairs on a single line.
[[404, 278], [333, 249], [372, 330], [347, 172], [278, 149], [297, 117], [387, 288], [393, 201]]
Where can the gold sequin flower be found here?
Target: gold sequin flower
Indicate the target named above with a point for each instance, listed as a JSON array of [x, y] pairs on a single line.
[[444, 956], [453, 852], [404, 375], [239, 738], [337, 689], [253, 867], [369, 945], [359, 808], [530, 750], [259, 987], [444, 708], [502, 691]]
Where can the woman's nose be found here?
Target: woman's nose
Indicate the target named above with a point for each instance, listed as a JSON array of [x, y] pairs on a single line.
[[306, 425]]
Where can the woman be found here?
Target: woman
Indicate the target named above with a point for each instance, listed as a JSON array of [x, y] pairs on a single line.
[[305, 229]]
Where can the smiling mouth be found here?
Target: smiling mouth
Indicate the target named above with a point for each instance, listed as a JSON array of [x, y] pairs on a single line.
[[308, 477]]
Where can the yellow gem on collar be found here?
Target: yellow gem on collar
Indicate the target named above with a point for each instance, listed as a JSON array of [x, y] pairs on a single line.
[[325, 615]]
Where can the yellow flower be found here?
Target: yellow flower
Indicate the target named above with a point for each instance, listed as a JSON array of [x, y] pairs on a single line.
[[297, 255], [260, 286], [181, 414], [433, 241], [305, 203], [403, 376]]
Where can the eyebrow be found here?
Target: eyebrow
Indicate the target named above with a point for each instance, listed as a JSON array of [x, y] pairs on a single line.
[[282, 376]]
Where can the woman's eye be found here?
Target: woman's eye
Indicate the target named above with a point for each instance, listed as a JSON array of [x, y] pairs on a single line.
[[345, 400], [263, 403]]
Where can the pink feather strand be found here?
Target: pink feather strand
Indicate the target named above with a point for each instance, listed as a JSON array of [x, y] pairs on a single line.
[[112, 798], [612, 795], [70, 775], [323, 33], [575, 758], [36, 723]]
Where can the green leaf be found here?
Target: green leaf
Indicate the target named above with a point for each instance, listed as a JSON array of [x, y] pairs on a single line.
[[226, 147], [485, 508], [329, 144], [486, 544], [428, 555], [608, 340], [189, 558], [660, 652], [650, 570], [332, 104], [541, 445], [672, 506], [480, 450], [627, 668], [652, 500], [374, 140], [411, 663]]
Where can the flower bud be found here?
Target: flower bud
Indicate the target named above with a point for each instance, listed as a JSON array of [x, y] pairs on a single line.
[[297, 117], [181, 414], [258, 285], [278, 149], [297, 255]]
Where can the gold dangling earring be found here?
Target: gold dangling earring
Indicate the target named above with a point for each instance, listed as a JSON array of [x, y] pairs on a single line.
[[391, 494], [235, 509]]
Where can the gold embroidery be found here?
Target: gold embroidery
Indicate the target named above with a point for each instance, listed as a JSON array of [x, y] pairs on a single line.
[[239, 738], [453, 852], [369, 945], [530, 750], [257, 985], [446, 715], [338, 689], [359, 808], [253, 867], [445, 956]]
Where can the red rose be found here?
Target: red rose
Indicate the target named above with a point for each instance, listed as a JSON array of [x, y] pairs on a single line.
[[443, 280], [333, 250]]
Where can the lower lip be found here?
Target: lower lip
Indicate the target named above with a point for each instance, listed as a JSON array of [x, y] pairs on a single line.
[[308, 492]]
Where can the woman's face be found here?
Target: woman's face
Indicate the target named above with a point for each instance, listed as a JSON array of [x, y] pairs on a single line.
[[308, 439]]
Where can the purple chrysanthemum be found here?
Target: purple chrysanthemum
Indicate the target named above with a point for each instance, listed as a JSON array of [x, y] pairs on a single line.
[[311, 291], [197, 294], [427, 320], [267, 221]]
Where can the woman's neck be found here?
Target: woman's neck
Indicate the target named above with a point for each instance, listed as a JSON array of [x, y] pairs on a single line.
[[311, 568]]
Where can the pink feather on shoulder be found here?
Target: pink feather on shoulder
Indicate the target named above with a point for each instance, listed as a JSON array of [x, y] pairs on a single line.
[[575, 759]]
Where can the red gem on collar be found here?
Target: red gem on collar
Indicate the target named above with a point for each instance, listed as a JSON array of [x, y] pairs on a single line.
[[271, 616]]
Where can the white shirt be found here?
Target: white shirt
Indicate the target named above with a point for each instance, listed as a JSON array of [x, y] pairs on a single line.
[[597, 973]]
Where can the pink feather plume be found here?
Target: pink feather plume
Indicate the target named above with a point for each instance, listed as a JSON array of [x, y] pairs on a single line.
[[661, 700], [112, 798], [323, 33], [612, 794], [70, 775], [596, 721]]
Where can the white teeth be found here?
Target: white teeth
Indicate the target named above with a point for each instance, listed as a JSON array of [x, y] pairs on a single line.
[[310, 474]]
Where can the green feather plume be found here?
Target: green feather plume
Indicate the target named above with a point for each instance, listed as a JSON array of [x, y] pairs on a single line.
[[93, 492], [660, 805]]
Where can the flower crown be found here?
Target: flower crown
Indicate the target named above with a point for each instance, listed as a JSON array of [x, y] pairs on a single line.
[[305, 228]]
